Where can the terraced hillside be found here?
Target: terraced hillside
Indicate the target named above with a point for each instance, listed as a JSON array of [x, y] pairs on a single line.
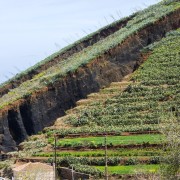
[[129, 113], [37, 102]]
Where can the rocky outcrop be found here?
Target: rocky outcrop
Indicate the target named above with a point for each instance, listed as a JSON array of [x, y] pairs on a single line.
[[41, 109]]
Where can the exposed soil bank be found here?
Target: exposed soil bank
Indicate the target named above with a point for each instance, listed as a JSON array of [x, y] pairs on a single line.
[[31, 115]]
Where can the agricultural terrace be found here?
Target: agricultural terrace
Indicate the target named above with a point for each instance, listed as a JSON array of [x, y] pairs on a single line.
[[130, 113]]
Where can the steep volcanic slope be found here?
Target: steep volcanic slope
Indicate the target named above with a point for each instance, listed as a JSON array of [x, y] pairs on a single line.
[[63, 54], [128, 112], [36, 103]]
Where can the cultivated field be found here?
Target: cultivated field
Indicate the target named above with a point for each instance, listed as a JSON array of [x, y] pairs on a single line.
[[125, 118]]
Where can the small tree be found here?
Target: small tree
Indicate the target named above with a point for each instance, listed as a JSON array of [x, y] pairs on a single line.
[[170, 163]]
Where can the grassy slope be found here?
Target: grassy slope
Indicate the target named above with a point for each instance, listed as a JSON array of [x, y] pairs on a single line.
[[64, 50], [152, 93], [71, 64]]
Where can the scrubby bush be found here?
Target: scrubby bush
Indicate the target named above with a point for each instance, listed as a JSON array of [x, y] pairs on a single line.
[[170, 162], [154, 160], [131, 161]]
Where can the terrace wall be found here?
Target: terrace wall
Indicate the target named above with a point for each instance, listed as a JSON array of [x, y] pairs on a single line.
[[66, 173]]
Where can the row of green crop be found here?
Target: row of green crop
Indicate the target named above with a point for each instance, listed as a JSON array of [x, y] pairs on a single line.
[[119, 109], [146, 17], [103, 117], [160, 82], [95, 142], [109, 121], [118, 152], [112, 161], [93, 128], [137, 99], [132, 169]]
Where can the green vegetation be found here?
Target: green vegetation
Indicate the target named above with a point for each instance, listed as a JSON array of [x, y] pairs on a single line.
[[3, 165], [111, 141], [93, 128], [130, 169], [121, 152], [100, 161], [51, 75]]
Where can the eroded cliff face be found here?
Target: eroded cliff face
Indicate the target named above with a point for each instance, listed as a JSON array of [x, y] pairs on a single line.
[[41, 109]]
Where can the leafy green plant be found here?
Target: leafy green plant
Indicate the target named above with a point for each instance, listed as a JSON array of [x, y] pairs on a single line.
[[131, 161]]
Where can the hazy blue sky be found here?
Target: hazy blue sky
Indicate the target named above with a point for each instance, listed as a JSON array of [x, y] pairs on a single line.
[[30, 30]]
